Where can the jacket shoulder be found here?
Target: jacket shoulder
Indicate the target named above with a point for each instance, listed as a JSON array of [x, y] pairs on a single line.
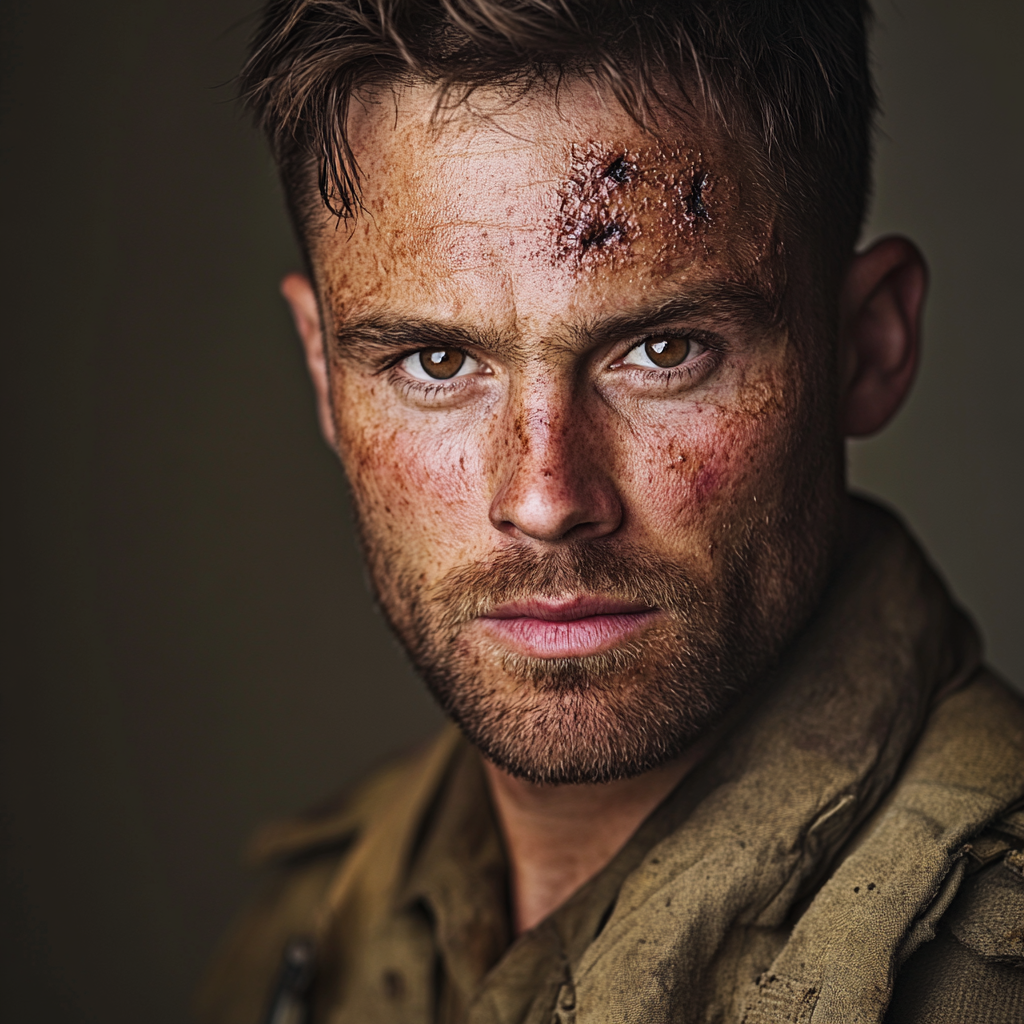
[[334, 823], [299, 858], [972, 972]]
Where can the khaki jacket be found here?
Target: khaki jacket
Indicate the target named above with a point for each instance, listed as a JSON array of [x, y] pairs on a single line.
[[850, 852]]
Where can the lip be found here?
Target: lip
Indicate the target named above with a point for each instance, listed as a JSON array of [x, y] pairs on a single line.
[[570, 628]]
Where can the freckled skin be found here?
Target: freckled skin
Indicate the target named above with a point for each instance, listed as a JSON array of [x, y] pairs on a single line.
[[529, 230]]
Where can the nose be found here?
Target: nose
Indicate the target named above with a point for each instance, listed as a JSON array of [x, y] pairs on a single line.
[[554, 477]]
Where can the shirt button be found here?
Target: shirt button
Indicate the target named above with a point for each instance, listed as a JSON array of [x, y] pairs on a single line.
[[567, 997], [394, 985]]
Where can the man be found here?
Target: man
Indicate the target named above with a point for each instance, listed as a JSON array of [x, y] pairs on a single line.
[[587, 331]]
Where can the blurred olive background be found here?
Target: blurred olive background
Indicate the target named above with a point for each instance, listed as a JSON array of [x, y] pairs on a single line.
[[188, 644]]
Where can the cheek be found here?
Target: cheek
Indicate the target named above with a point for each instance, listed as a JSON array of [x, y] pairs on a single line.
[[697, 465], [712, 466], [417, 488]]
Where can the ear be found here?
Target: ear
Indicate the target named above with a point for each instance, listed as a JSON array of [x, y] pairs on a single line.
[[301, 297], [880, 305]]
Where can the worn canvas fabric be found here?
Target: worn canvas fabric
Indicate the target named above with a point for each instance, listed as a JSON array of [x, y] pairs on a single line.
[[787, 879]]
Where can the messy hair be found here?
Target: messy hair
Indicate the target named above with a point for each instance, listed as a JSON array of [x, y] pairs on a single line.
[[791, 75]]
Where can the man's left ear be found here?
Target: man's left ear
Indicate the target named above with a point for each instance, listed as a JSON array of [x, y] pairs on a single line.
[[880, 305]]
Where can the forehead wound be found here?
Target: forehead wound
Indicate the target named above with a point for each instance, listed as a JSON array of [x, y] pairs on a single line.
[[614, 200]]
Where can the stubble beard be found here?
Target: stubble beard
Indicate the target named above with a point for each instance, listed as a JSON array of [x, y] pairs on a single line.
[[609, 715]]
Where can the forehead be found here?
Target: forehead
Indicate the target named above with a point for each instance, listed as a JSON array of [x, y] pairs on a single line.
[[538, 207]]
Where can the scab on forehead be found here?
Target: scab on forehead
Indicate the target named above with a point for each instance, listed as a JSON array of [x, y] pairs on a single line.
[[614, 198]]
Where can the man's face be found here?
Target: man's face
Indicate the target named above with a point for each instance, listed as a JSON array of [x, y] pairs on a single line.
[[585, 396]]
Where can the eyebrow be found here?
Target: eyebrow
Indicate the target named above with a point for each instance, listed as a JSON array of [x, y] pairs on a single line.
[[387, 332], [742, 305], [391, 332]]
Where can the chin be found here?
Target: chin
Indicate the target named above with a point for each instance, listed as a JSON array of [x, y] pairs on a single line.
[[590, 719]]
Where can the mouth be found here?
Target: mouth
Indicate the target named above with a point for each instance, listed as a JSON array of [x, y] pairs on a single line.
[[569, 628]]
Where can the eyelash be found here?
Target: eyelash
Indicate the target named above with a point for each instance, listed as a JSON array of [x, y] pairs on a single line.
[[425, 389], [671, 374]]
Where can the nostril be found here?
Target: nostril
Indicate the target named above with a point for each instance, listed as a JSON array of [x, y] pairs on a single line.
[[549, 508]]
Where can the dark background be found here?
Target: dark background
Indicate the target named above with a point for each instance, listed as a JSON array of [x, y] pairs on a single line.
[[189, 648]]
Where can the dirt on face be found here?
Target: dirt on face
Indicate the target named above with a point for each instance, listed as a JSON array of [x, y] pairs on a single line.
[[612, 196], [541, 252]]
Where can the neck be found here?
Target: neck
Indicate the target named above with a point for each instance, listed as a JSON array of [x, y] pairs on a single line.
[[559, 837]]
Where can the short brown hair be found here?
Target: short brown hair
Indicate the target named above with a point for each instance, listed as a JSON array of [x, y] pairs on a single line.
[[792, 73]]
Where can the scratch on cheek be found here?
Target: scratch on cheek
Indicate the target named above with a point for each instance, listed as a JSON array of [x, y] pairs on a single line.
[[707, 479]]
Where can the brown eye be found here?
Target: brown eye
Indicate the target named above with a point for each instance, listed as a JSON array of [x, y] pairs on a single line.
[[666, 352], [441, 363]]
